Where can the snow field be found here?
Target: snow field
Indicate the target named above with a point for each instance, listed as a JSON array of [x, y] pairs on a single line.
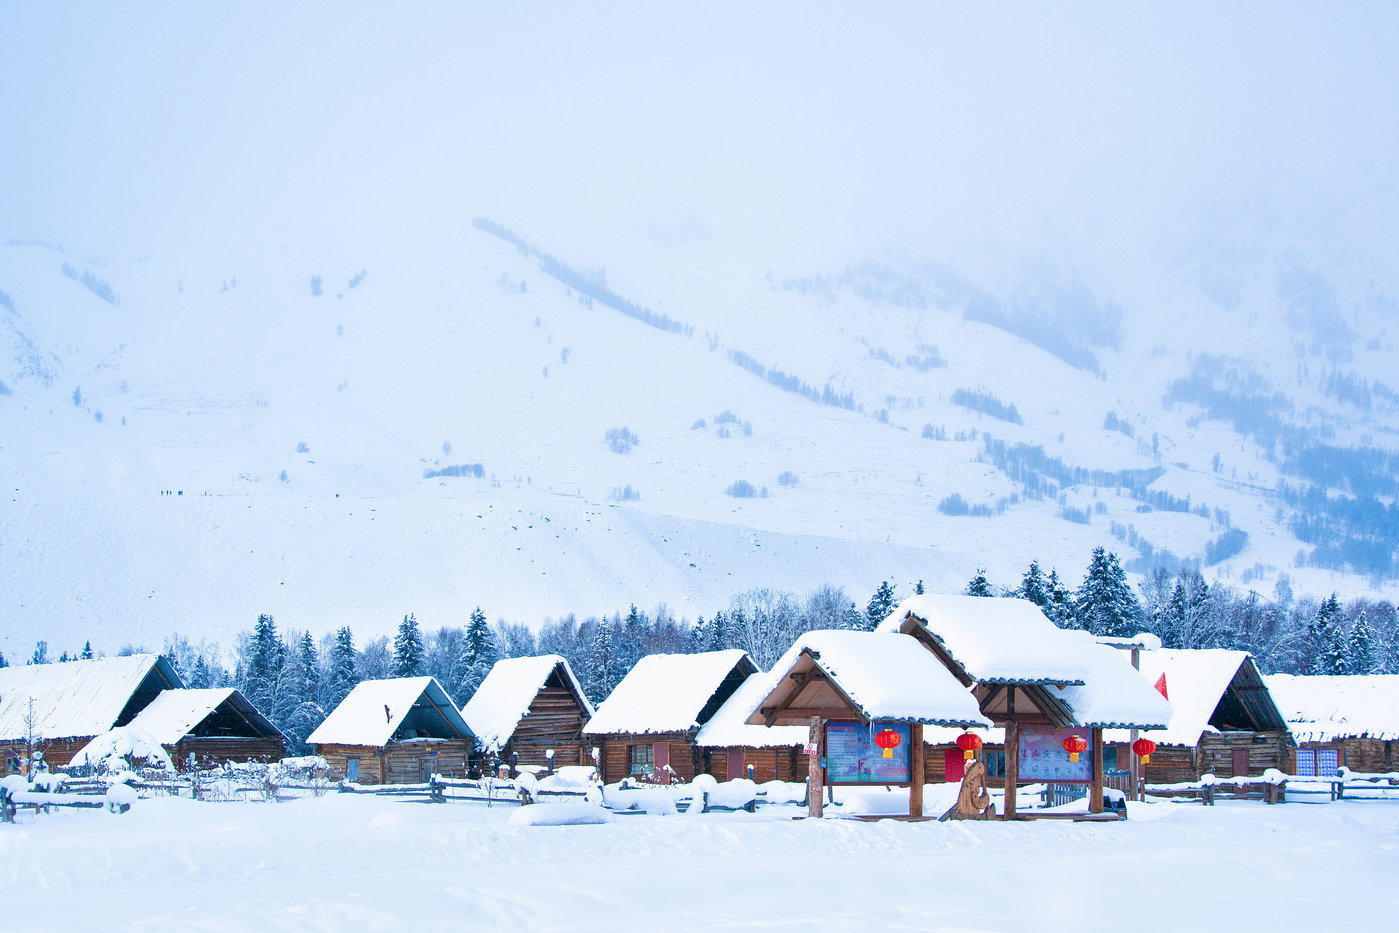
[[341, 860]]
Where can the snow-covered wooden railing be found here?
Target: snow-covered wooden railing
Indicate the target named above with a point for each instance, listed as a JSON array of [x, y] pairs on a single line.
[[16, 792], [1270, 787], [1361, 785]]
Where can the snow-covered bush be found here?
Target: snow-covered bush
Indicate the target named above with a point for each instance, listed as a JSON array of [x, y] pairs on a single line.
[[123, 749]]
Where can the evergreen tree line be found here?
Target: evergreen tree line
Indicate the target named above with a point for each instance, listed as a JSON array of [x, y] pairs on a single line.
[[296, 680]]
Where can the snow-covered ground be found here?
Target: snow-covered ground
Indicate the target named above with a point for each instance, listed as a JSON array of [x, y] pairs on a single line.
[[343, 861]]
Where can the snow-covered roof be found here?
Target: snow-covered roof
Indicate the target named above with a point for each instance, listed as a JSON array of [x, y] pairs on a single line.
[[174, 713], [887, 676], [995, 640], [1196, 681], [665, 693], [1326, 708], [375, 709], [504, 697], [1113, 692], [729, 728], [76, 698]]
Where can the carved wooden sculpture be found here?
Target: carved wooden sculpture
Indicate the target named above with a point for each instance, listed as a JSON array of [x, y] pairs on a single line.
[[973, 802]]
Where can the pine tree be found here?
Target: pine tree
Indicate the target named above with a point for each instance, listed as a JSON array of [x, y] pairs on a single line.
[[602, 669], [1105, 604], [87, 652], [699, 635], [1034, 587], [1326, 651], [979, 585], [408, 649], [479, 655], [918, 588], [719, 632], [41, 653], [342, 675], [1360, 647], [200, 677], [3, 662], [264, 665], [310, 666], [881, 604]]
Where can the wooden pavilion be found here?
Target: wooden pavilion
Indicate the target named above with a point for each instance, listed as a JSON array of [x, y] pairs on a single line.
[[1043, 685], [530, 711], [864, 698], [396, 731]]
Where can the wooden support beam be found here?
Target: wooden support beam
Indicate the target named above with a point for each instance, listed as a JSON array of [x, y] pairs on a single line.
[[915, 753], [1012, 756], [1095, 791], [815, 776]]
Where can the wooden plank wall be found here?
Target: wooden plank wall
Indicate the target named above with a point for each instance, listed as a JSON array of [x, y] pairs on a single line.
[[398, 762], [684, 756], [212, 751], [1265, 750], [555, 720]]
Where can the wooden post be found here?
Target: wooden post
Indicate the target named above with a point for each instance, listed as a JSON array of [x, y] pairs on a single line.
[[1012, 767], [815, 777], [1095, 790], [915, 769], [1134, 774]]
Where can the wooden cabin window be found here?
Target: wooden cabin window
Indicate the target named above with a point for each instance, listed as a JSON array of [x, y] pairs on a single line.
[[352, 770], [1317, 762], [995, 764], [641, 760]]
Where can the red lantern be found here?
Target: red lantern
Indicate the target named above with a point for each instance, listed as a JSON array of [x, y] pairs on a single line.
[[1144, 748], [1075, 745], [968, 743], [888, 740]]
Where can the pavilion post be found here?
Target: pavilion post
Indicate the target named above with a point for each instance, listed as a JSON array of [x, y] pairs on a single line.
[[1095, 790], [815, 776], [1012, 767], [915, 775]]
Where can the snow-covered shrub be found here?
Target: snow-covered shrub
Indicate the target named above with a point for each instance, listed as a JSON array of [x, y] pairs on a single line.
[[123, 749]]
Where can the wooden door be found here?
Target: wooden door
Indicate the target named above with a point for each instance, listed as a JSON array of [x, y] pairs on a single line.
[[1240, 757], [736, 763], [954, 766], [661, 762]]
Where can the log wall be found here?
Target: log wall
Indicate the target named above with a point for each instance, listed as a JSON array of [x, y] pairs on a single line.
[[212, 751], [398, 762], [555, 720], [685, 757], [777, 763], [1265, 750], [1358, 754]]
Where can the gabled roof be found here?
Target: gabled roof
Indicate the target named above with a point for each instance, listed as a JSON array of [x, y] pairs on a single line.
[[671, 693], [1207, 684], [875, 675], [73, 699], [1113, 694], [1326, 708], [174, 714], [728, 728], [504, 697], [376, 709], [991, 641]]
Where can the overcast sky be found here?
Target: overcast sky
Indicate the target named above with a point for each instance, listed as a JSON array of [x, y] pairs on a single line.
[[1082, 127]]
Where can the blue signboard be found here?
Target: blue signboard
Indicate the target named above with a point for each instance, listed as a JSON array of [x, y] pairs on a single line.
[[873, 754], [1042, 755]]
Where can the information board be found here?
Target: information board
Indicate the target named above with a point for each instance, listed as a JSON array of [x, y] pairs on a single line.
[[854, 755], [1042, 755]]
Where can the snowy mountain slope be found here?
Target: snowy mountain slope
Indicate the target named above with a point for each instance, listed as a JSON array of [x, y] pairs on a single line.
[[214, 388], [1161, 240]]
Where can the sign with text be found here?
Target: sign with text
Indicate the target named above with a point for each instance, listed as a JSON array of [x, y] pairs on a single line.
[[861, 754], [1043, 758]]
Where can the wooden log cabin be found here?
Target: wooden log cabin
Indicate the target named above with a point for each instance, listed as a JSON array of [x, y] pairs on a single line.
[[1038, 683], [855, 690], [396, 731], [65, 705], [1339, 721], [1223, 719], [729, 748], [647, 727], [530, 711], [206, 728]]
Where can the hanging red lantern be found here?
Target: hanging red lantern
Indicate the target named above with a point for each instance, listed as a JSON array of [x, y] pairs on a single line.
[[888, 740], [1144, 748], [968, 743], [1075, 745]]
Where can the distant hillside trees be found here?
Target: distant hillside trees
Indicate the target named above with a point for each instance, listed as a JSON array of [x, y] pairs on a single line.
[[983, 401]]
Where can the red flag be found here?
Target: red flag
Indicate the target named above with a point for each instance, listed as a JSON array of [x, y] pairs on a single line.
[[1161, 686]]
